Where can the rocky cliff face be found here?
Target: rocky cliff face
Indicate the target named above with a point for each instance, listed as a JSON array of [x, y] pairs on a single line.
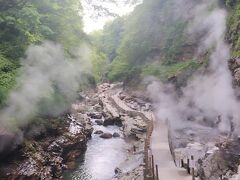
[[47, 149], [234, 66]]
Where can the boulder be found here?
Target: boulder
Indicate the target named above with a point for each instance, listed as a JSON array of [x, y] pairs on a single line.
[[106, 136], [109, 122], [223, 163], [113, 121], [118, 122], [95, 115], [115, 135], [99, 122], [88, 130], [8, 142]]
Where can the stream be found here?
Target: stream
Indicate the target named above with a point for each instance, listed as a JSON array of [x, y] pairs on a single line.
[[102, 156]]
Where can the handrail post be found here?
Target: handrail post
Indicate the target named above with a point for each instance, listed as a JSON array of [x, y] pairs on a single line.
[[193, 174], [157, 177], [188, 166], [153, 173], [182, 163]]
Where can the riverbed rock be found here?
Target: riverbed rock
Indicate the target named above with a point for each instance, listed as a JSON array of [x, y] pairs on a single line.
[[98, 132], [113, 121], [117, 171], [109, 122], [106, 136], [8, 142], [88, 130], [115, 135], [46, 158], [99, 122], [95, 115]]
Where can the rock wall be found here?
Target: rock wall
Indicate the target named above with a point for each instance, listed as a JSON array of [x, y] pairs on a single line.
[[49, 147]]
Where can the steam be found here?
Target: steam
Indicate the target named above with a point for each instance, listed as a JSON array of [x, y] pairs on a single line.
[[46, 85], [210, 95]]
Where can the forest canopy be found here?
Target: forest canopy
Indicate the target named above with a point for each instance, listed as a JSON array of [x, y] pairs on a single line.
[[151, 40], [26, 22]]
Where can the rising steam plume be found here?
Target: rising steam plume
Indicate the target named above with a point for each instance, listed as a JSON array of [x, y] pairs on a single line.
[[47, 84], [208, 95]]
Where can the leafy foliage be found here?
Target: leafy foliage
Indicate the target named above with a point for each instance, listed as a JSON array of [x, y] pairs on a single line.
[[99, 64], [166, 72], [151, 34], [233, 34], [25, 22], [7, 77]]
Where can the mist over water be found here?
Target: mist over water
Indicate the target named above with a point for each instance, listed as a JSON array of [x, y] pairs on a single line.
[[48, 82], [208, 94]]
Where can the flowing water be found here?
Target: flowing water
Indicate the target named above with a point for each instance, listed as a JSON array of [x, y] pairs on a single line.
[[101, 158]]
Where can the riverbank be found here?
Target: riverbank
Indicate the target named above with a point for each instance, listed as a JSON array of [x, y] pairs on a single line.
[[116, 150], [102, 137], [49, 147]]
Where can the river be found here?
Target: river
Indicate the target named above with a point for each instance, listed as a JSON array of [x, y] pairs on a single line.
[[101, 158]]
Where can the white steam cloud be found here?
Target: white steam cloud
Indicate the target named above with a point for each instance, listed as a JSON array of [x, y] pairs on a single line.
[[210, 95], [47, 82]]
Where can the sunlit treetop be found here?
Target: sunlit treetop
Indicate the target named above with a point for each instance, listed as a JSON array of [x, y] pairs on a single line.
[[97, 13]]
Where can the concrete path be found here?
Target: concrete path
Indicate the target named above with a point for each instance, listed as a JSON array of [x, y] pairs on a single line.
[[162, 156]]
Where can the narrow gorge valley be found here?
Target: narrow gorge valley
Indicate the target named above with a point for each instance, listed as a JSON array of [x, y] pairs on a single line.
[[119, 90]]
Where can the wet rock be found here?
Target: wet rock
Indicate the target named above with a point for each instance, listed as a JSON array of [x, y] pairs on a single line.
[[8, 142], [99, 122], [118, 171], [95, 115], [72, 155], [113, 121], [106, 136], [109, 122], [98, 132], [115, 135], [46, 159], [118, 122], [88, 130], [71, 165]]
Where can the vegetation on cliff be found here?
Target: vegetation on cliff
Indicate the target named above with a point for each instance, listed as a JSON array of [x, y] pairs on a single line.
[[23, 23], [153, 41]]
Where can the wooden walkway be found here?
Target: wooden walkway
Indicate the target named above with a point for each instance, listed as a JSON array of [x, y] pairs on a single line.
[[162, 156]]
